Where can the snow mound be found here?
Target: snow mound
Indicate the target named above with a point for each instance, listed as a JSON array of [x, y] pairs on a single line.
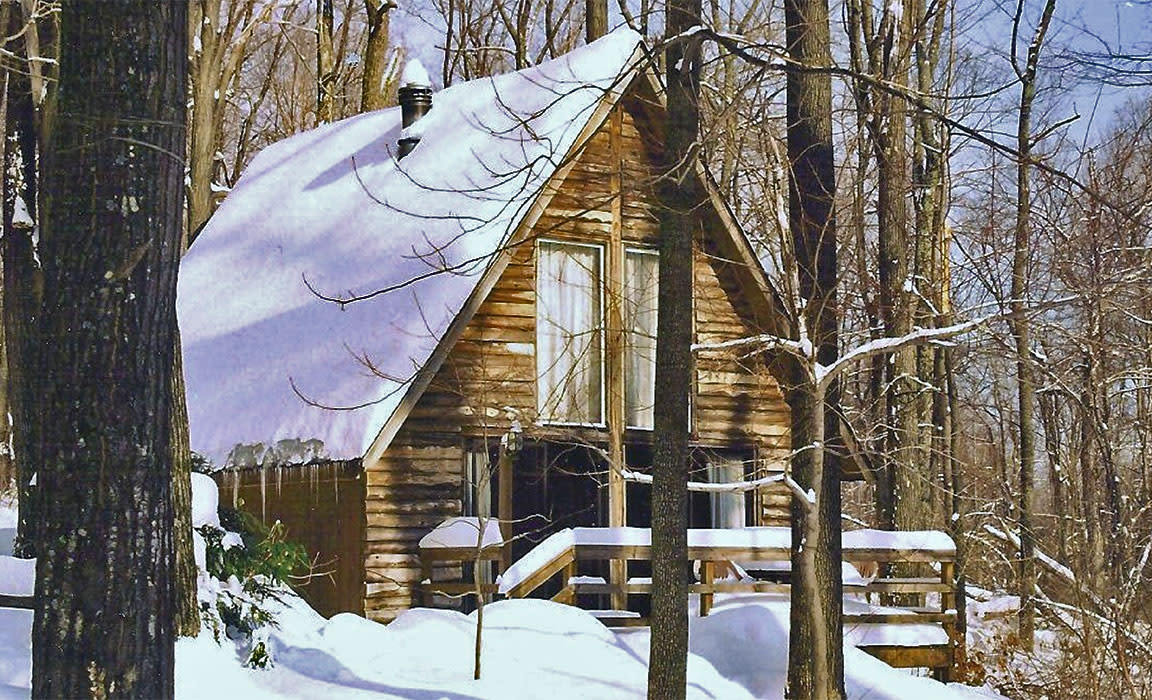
[[513, 616], [205, 501]]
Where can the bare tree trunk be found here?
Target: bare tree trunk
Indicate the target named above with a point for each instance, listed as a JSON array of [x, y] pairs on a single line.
[[930, 199], [202, 137], [681, 199], [1049, 404], [103, 620], [595, 19], [816, 652], [224, 34], [1026, 392], [882, 50], [325, 63], [187, 621], [7, 465], [22, 297], [374, 88]]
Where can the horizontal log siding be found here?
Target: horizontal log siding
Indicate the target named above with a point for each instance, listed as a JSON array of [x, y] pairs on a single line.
[[736, 400], [418, 482], [408, 491]]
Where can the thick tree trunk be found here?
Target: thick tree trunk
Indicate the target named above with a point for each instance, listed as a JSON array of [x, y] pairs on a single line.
[[325, 63], [373, 88], [680, 199], [816, 652], [22, 291], [114, 174], [595, 19]]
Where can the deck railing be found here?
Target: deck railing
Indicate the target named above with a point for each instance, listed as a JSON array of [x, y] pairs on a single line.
[[566, 553]]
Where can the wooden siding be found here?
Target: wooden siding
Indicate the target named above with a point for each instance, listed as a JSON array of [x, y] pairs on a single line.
[[322, 507], [488, 377], [736, 401], [408, 491]]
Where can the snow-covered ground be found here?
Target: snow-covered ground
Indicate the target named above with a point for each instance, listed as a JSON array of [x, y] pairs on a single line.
[[532, 649]]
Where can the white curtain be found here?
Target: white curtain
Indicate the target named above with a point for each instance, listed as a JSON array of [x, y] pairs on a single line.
[[727, 508], [569, 353], [641, 291]]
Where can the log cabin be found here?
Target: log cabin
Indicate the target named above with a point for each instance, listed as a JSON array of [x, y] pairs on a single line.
[[397, 293]]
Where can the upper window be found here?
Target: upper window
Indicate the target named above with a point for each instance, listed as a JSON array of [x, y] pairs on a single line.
[[641, 275], [569, 333]]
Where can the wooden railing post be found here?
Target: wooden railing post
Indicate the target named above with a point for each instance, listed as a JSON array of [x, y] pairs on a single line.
[[707, 576], [510, 445], [425, 582], [948, 602]]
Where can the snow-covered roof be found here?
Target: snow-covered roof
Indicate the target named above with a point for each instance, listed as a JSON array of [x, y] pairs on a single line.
[[265, 359]]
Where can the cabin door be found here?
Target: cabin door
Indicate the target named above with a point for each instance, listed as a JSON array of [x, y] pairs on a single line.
[[556, 486]]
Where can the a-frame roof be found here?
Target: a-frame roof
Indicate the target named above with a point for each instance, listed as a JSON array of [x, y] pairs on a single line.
[[266, 360]]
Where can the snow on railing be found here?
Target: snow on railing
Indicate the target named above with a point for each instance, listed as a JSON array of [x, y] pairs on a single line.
[[463, 532]]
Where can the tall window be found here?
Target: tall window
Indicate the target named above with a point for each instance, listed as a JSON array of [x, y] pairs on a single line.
[[569, 333], [641, 291], [478, 478]]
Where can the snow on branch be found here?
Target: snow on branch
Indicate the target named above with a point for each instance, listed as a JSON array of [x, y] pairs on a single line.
[[761, 343], [806, 498], [920, 336], [710, 487], [1048, 562]]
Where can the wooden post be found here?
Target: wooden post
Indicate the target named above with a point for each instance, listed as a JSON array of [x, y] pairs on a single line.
[[707, 576], [569, 593], [425, 582], [617, 494], [948, 602], [510, 446]]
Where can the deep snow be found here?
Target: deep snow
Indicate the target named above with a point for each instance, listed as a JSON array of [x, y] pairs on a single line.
[[532, 649]]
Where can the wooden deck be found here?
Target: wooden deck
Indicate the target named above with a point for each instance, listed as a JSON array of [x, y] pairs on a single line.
[[568, 552]]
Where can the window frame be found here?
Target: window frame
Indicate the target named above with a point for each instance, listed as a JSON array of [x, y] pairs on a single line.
[[601, 252], [624, 358]]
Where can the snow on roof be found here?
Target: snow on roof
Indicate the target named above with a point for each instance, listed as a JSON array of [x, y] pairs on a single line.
[[333, 208]]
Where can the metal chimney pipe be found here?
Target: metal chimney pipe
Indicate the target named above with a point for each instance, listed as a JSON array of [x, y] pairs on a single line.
[[415, 96]]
